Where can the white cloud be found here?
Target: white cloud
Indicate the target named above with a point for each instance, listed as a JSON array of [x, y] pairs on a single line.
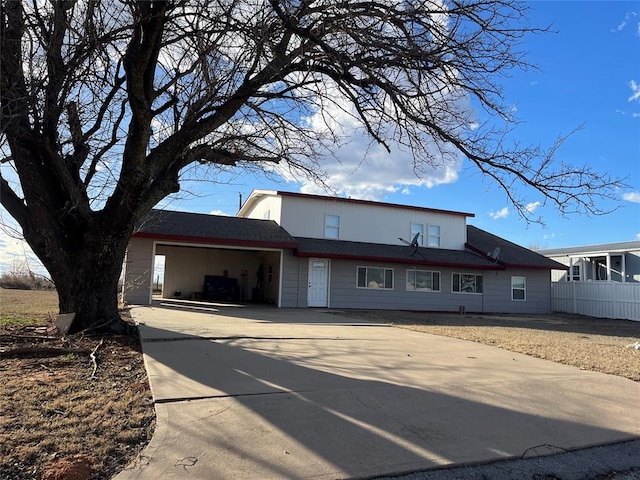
[[370, 172], [635, 88], [531, 207], [219, 212], [499, 214], [632, 197], [15, 251], [366, 170], [623, 24], [637, 236]]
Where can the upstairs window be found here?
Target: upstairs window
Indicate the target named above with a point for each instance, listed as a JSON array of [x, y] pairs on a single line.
[[423, 281], [418, 229], [518, 288], [466, 283], [375, 277], [433, 239], [332, 226]]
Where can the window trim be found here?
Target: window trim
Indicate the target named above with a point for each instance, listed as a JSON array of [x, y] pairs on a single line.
[[475, 285], [332, 227], [523, 289], [430, 236], [366, 280], [430, 290]]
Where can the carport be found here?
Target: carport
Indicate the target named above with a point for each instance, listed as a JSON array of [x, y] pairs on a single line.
[[207, 257], [220, 273]]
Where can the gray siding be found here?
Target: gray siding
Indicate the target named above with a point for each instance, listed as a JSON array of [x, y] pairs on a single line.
[[497, 292], [345, 294], [138, 272], [294, 277]]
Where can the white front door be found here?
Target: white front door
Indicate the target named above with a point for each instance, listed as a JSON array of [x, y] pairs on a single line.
[[318, 283]]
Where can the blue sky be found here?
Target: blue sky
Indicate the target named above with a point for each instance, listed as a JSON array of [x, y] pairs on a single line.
[[589, 75]]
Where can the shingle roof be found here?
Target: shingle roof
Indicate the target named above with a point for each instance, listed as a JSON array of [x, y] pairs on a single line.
[[311, 247], [211, 229], [600, 248], [511, 255], [237, 231]]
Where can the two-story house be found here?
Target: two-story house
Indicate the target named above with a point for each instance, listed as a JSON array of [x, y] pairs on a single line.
[[299, 250]]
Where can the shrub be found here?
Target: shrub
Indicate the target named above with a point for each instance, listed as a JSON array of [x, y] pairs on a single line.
[[26, 282]]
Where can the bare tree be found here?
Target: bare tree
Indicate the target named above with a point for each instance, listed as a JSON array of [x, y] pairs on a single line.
[[104, 103]]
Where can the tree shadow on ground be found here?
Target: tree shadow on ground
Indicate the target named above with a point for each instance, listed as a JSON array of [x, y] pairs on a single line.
[[269, 412]]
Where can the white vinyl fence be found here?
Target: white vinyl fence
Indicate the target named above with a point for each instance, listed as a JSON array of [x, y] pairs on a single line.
[[597, 299]]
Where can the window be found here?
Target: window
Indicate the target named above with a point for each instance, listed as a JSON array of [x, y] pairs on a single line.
[[266, 215], [518, 288], [433, 239], [332, 226], [375, 277], [574, 276], [466, 283], [418, 229], [423, 281]]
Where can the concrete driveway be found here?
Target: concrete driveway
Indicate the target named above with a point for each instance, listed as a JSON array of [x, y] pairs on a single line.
[[265, 393]]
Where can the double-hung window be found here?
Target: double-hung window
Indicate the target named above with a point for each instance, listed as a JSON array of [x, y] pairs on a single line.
[[433, 236], [332, 226], [466, 283], [423, 281], [375, 277], [518, 288]]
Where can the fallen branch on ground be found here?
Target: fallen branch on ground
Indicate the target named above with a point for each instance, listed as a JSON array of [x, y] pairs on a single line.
[[92, 356]]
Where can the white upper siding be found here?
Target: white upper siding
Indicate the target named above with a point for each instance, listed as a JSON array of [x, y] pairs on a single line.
[[263, 205], [362, 222]]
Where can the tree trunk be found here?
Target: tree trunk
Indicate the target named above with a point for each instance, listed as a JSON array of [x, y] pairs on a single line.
[[90, 290], [85, 263]]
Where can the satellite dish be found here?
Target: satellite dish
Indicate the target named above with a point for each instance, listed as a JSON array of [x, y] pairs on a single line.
[[495, 254], [413, 243]]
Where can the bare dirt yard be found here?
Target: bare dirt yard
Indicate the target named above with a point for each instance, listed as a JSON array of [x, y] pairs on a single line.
[[65, 416], [597, 344]]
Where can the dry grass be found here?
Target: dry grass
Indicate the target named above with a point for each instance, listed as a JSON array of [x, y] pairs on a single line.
[[27, 307], [52, 408], [600, 345]]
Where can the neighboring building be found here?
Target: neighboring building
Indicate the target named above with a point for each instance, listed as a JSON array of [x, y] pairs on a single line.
[[297, 250], [618, 262]]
